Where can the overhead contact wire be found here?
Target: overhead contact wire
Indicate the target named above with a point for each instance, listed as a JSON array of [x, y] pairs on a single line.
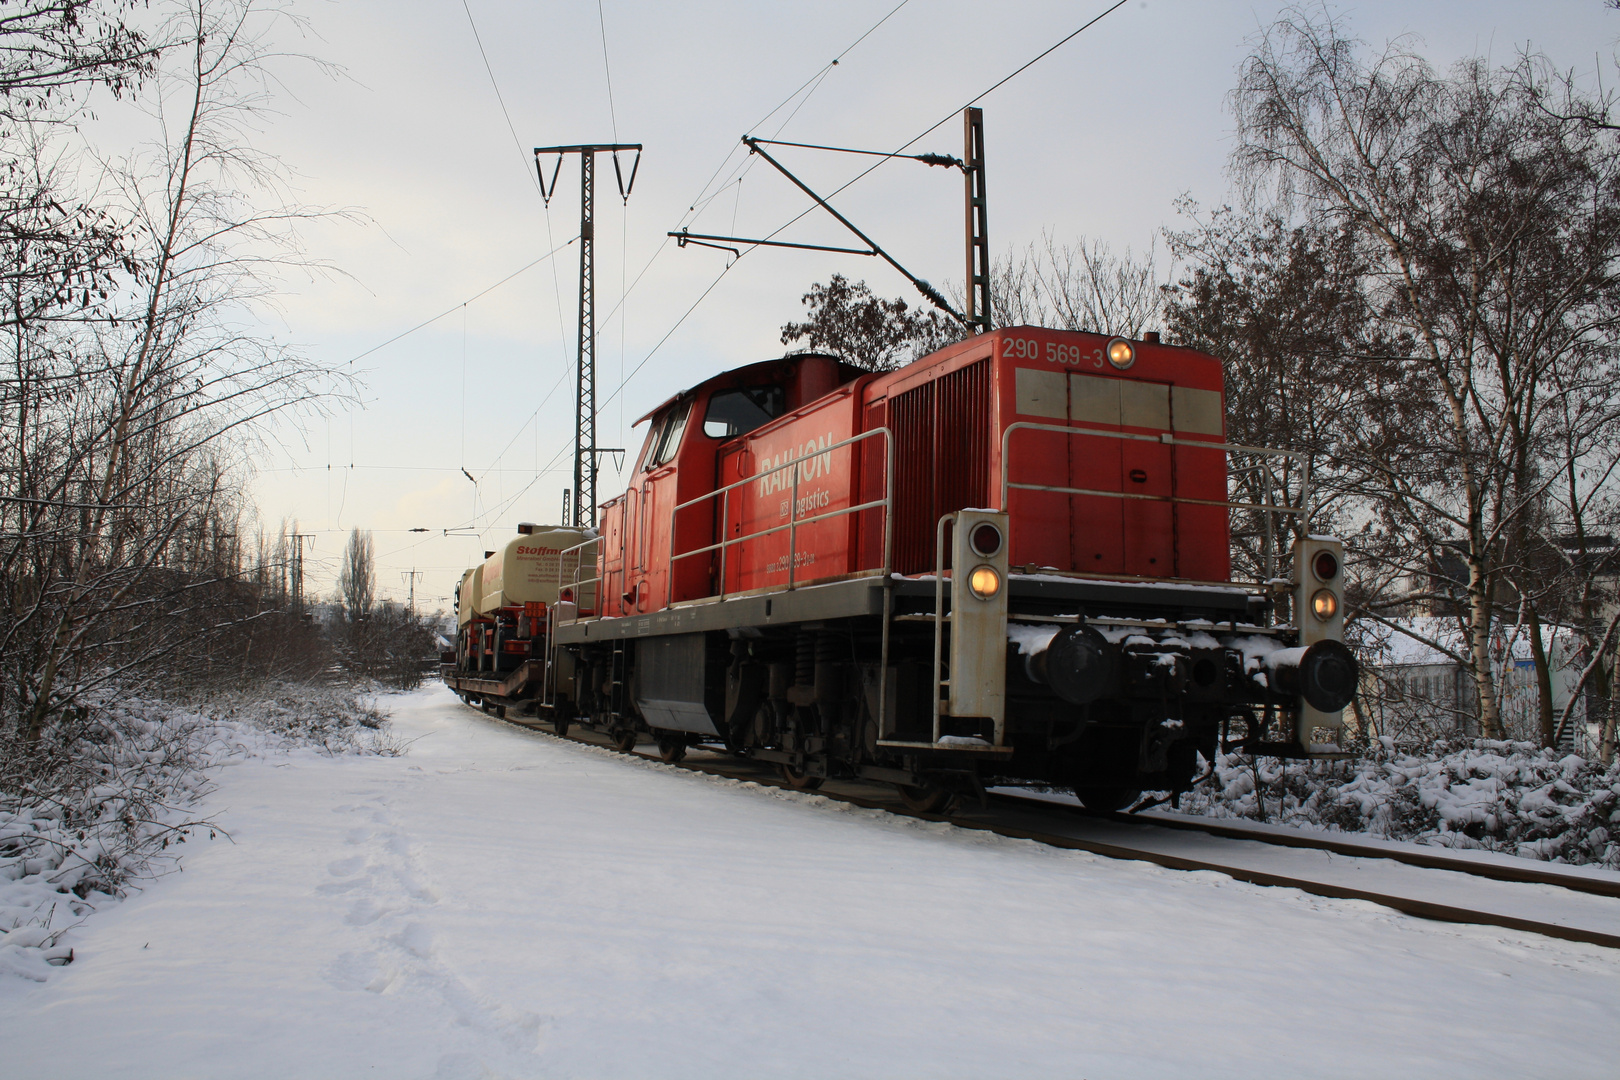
[[820, 74], [534, 177], [946, 119], [456, 307], [518, 143], [813, 83]]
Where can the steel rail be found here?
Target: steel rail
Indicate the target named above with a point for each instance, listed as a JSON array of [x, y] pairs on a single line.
[[1425, 909], [1525, 875]]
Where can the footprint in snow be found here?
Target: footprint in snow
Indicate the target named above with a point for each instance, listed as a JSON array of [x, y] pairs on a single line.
[[360, 971], [338, 888], [462, 1067], [417, 940], [365, 911], [415, 889], [345, 867]]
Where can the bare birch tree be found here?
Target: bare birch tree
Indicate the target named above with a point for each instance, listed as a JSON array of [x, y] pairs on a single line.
[[1080, 285], [1490, 232]]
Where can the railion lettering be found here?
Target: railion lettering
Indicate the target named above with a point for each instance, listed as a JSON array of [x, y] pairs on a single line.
[[776, 473]]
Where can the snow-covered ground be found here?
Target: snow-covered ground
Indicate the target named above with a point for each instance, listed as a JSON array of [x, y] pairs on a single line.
[[497, 903]]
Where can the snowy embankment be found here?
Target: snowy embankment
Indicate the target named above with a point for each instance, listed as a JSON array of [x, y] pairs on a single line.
[[1511, 797], [499, 903], [122, 798]]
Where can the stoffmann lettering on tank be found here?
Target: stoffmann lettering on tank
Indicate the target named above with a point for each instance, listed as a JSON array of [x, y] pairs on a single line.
[[775, 477]]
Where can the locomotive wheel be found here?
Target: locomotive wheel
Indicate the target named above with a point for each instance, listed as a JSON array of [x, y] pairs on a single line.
[[1106, 798], [932, 799], [671, 750], [624, 741], [799, 780]]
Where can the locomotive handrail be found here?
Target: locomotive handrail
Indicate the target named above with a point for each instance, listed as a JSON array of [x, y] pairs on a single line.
[[548, 688], [1008, 485], [794, 520], [945, 521], [578, 565]]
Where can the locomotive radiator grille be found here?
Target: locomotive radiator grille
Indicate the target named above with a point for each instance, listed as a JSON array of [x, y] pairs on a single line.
[[942, 458]]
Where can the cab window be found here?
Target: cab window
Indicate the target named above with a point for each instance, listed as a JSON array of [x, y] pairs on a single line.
[[669, 430], [737, 412]]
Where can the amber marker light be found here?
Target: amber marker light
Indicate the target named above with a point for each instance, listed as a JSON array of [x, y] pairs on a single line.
[[1324, 605], [1121, 353], [984, 582]]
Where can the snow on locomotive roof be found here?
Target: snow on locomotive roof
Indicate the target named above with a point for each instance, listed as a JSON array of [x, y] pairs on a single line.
[[662, 405], [1224, 590]]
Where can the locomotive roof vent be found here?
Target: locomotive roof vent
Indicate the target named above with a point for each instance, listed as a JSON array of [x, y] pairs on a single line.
[[526, 528]]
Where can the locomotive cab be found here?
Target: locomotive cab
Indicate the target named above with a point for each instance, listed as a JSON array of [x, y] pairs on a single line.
[[641, 529]]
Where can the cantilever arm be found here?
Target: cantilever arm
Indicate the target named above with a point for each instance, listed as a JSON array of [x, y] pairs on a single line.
[[923, 287]]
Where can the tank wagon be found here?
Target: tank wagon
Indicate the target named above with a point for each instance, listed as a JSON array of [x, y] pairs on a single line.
[[504, 610], [1008, 559]]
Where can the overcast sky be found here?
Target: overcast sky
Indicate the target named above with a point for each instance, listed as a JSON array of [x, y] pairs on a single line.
[[1098, 140]]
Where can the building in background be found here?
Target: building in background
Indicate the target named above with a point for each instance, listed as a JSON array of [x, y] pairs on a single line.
[[1412, 690]]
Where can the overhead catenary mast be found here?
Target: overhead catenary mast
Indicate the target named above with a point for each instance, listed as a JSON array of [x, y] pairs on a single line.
[[587, 455], [979, 318]]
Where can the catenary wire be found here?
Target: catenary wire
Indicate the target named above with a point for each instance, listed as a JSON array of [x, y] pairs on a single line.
[[534, 176], [516, 142], [607, 70], [879, 164], [820, 74], [946, 119], [457, 307], [812, 84], [703, 197]]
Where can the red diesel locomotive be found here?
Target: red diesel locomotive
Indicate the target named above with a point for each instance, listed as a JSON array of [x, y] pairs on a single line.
[[1008, 559]]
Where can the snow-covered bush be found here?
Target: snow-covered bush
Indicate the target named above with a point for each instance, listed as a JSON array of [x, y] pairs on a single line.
[[107, 796], [1512, 797]]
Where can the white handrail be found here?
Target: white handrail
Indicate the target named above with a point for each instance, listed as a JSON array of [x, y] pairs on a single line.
[[1007, 485], [794, 520]]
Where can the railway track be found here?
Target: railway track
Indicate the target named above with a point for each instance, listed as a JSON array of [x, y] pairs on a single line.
[[1568, 903]]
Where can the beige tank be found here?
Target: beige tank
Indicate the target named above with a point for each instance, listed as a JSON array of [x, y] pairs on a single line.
[[470, 582], [525, 569]]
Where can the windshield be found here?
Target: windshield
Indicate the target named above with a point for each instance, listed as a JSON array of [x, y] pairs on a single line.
[[669, 434], [737, 412]]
